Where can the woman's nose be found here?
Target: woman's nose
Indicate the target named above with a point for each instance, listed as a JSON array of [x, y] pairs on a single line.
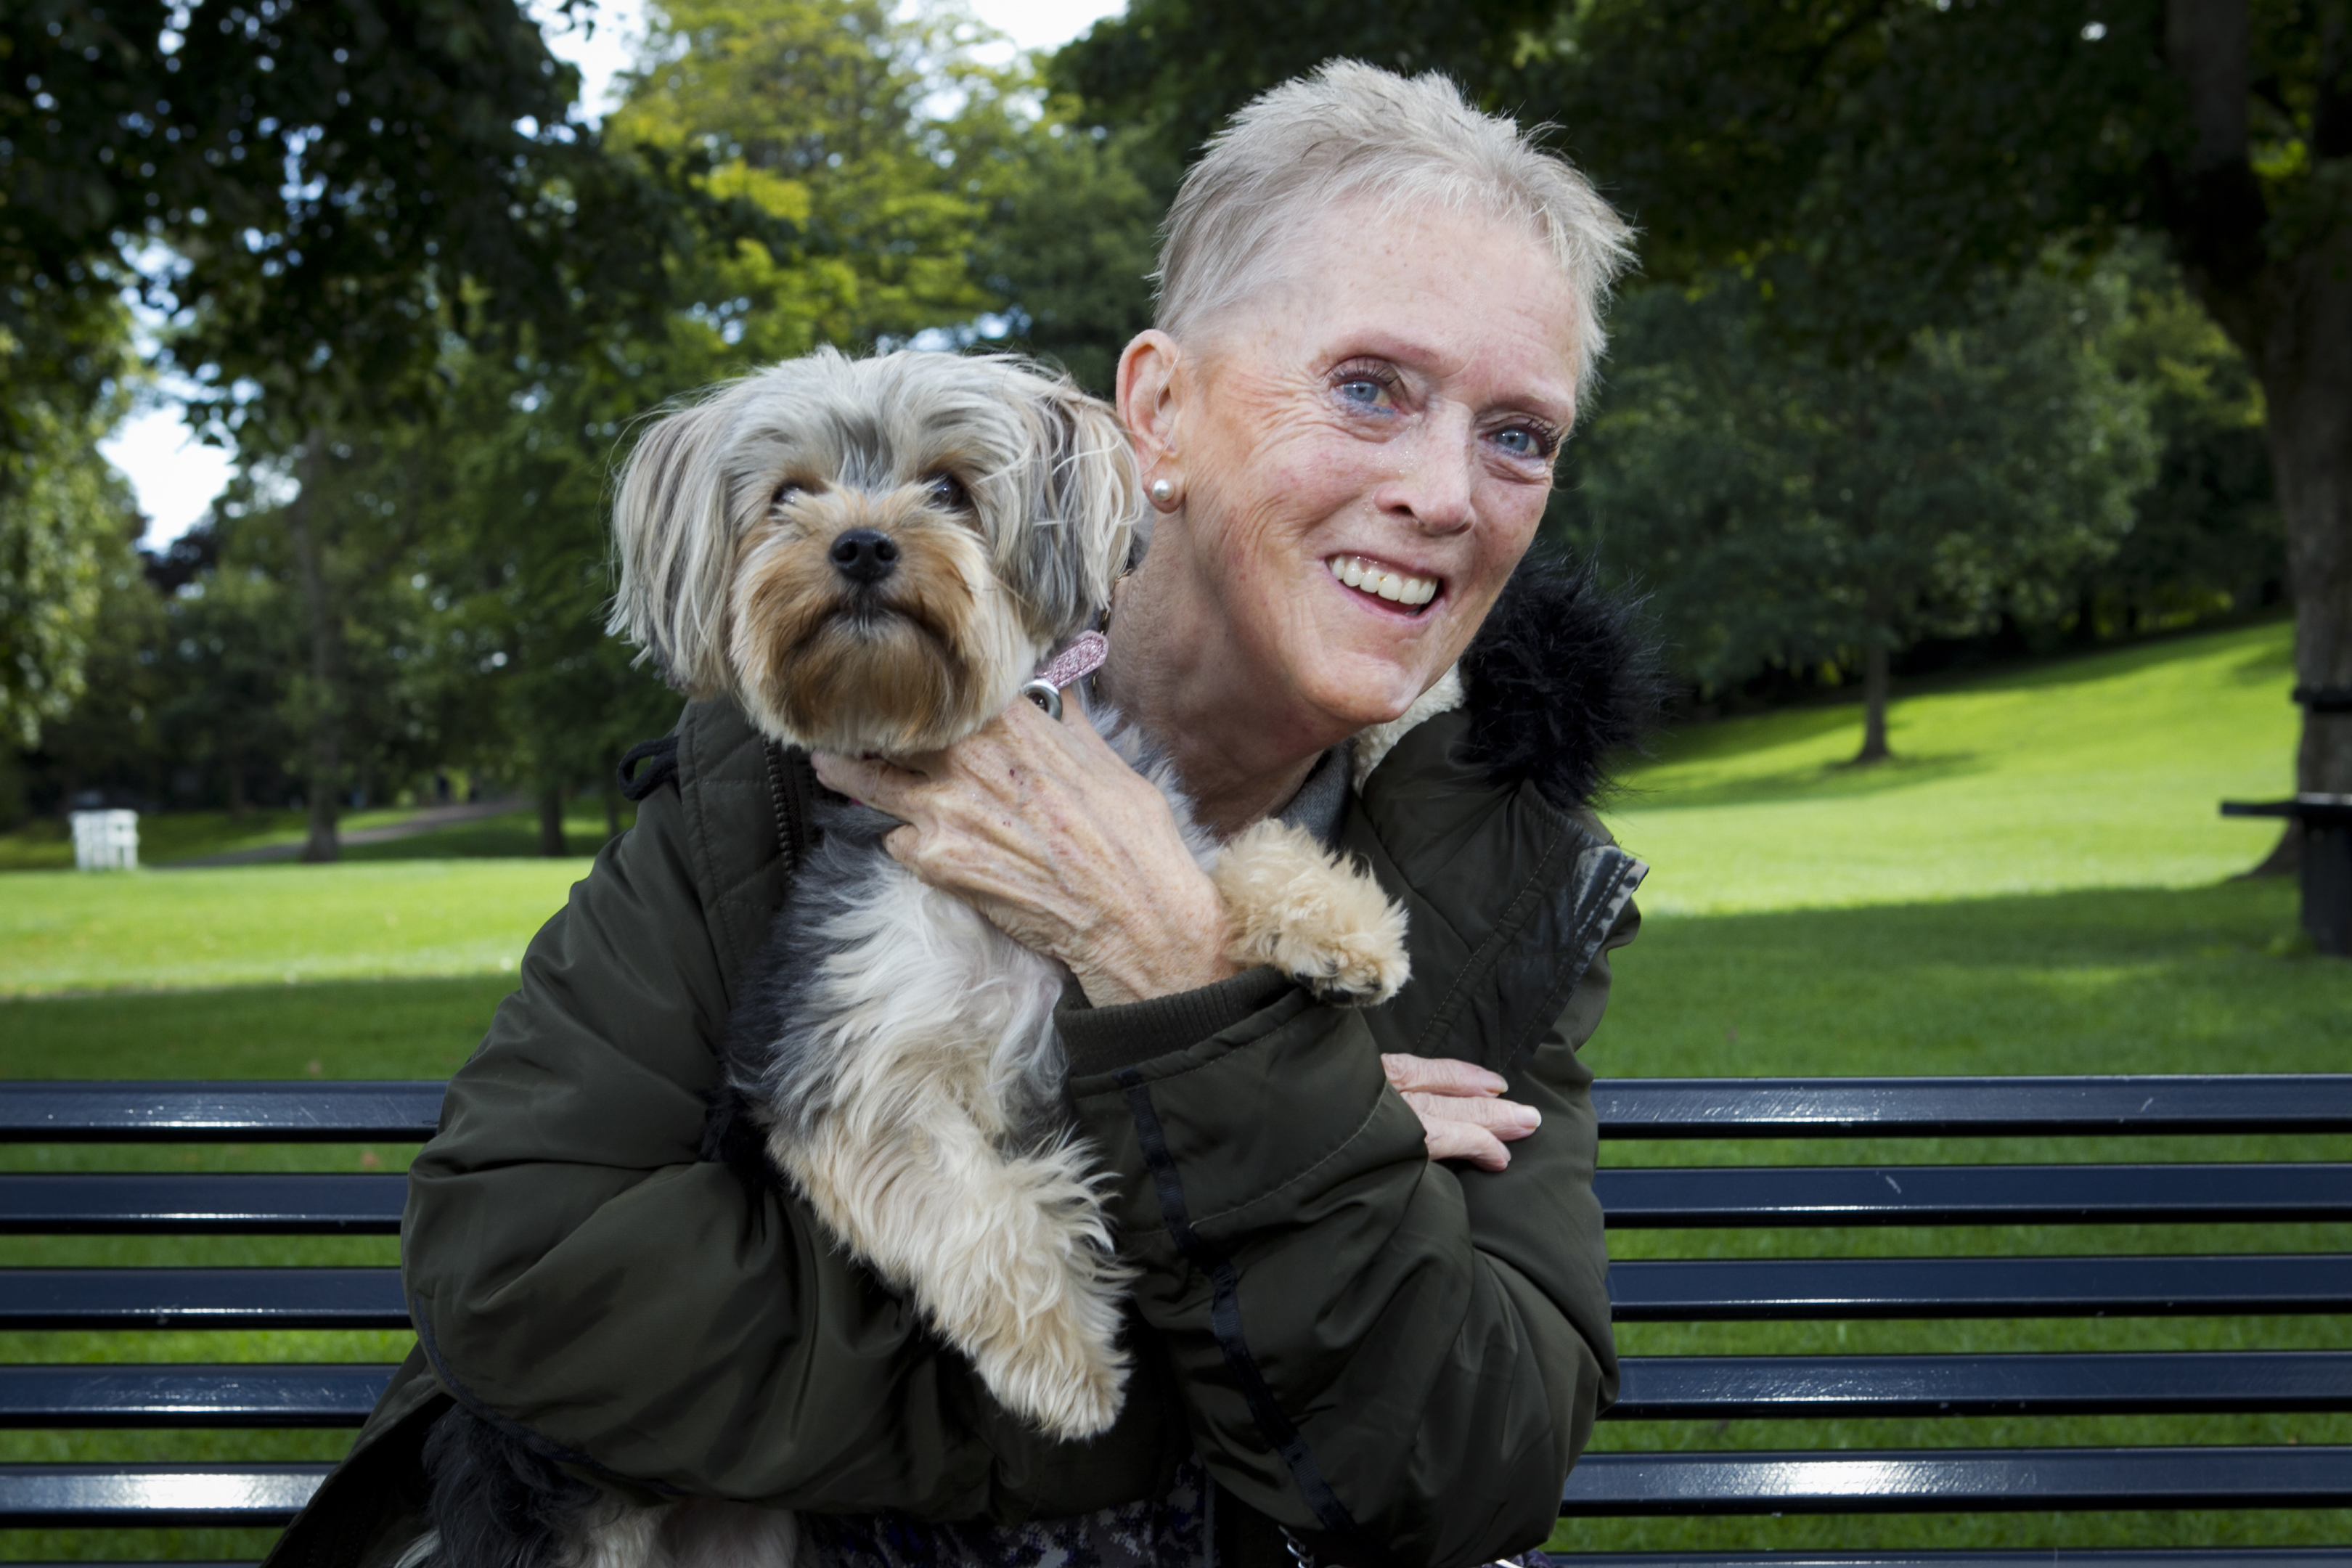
[[1434, 487]]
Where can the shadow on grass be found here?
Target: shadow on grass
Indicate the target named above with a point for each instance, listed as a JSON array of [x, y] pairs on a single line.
[[2124, 981], [1828, 781], [354, 1028], [514, 836]]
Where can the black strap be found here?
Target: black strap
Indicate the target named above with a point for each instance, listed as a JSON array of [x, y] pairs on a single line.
[[663, 753], [1225, 1323]]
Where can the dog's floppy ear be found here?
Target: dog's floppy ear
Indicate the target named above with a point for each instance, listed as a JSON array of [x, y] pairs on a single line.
[[1093, 498], [675, 548]]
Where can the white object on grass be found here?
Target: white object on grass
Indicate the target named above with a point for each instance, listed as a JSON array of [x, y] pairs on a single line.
[[106, 840]]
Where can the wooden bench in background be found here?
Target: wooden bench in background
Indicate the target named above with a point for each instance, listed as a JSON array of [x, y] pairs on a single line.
[[1689, 1289]]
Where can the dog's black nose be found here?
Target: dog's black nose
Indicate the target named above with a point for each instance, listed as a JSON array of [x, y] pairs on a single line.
[[865, 555]]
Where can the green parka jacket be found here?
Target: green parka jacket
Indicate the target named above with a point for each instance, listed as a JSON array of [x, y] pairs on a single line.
[[1394, 1360]]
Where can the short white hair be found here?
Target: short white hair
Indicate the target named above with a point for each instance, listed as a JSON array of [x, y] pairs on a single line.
[[1349, 130]]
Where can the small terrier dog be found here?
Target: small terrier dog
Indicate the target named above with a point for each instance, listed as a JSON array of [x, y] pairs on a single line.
[[874, 557]]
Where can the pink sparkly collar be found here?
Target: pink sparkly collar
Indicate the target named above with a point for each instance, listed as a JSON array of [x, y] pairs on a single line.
[[1082, 658]]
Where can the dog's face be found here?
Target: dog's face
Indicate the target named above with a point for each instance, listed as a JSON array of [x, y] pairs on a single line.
[[873, 555]]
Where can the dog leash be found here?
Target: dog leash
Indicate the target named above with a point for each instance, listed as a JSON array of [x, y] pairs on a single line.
[[1082, 658]]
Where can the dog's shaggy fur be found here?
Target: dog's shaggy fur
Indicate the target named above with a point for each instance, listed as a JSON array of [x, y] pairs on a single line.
[[872, 557]]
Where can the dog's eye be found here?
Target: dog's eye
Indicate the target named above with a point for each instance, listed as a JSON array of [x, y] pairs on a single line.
[[947, 490], [786, 493]]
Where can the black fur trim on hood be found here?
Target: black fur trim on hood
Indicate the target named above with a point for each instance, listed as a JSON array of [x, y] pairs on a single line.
[[1564, 674]]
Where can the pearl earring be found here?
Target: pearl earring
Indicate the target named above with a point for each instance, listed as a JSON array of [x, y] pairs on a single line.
[[1163, 493]]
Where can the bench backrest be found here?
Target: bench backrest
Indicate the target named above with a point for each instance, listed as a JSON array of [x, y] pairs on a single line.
[[1646, 1289]]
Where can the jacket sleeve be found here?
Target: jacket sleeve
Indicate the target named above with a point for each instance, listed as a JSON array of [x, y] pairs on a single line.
[[1396, 1360], [576, 1268]]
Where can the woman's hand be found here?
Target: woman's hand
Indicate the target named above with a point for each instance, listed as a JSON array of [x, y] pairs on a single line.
[[1463, 1115], [1042, 828]]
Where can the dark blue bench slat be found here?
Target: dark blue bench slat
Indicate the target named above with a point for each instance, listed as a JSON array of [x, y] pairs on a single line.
[[185, 1204], [1655, 1388], [1671, 1291], [35, 1497], [201, 1298], [1971, 1194], [406, 1111], [178, 1204], [1757, 1288], [1717, 1388], [1971, 1107], [99, 1111], [1954, 1481], [276, 1394], [2095, 1557]]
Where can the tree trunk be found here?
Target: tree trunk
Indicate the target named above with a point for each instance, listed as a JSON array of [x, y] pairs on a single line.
[[2286, 298], [325, 630], [1877, 676], [2309, 430], [551, 822]]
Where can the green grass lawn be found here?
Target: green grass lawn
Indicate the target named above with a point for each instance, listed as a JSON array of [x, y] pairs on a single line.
[[167, 838], [64, 931], [2036, 886], [2100, 771]]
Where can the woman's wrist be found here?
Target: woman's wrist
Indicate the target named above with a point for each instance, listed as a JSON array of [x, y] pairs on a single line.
[[1174, 941]]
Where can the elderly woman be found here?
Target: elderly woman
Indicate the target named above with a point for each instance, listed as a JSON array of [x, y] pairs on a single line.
[[1367, 1308]]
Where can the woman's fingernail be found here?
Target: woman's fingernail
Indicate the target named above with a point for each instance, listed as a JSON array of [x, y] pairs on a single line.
[[1527, 1116]]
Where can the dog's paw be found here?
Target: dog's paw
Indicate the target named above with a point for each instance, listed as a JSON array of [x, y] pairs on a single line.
[[1031, 1290], [1295, 905], [1057, 1374]]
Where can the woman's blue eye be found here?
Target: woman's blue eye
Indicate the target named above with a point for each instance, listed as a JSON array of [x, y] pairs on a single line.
[[1361, 390], [1521, 442]]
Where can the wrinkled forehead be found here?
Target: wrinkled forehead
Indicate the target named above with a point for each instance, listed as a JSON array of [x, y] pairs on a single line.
[[850, 426]]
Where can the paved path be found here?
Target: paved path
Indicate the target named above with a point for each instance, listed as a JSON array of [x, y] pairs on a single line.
[[430, 820]]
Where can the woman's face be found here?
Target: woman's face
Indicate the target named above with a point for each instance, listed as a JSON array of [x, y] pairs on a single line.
[[1366, 450]]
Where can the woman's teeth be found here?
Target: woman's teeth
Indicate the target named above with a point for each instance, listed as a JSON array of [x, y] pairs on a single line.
[[1383, 581]]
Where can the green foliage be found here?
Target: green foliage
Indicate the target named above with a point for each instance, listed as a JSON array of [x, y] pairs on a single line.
[[335, 184], [1070, 240], [65, 523], [815, 111], [2207, 536], [1794, 510], [1180, 66]]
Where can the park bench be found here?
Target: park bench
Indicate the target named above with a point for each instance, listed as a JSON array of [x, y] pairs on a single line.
[[1678, 1388], [2326, 824]]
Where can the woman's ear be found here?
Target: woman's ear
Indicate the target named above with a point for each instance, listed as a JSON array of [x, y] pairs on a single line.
[[674, 548], [1148, 396]]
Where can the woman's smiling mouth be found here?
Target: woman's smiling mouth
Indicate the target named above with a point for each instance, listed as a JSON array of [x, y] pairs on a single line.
[[1379, 580]]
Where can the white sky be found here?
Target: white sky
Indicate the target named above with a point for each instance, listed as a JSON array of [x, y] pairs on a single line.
[[176, 477]]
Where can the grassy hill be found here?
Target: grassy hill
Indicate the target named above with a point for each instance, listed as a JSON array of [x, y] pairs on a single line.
[[2099, 772]]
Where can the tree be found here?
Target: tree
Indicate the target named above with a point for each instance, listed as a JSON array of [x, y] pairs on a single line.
[[845, 119], [319, 197], [65, 518], [2205, 537], [1796, 509], [1866, 160]]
